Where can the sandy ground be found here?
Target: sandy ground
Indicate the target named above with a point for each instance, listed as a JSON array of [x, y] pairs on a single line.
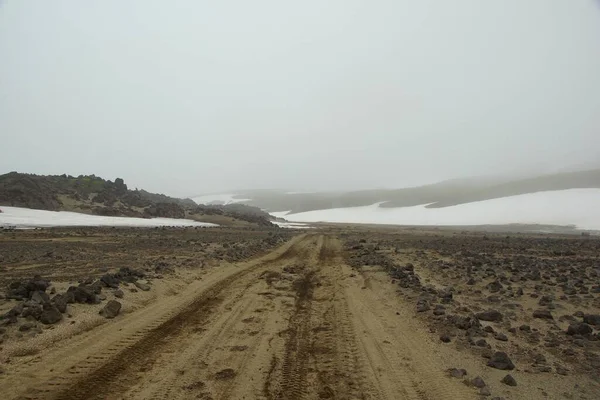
[[297, 322]]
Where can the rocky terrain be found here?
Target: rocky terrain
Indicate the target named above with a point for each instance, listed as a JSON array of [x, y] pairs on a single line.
[[51, 275], [352, 312], [522, 303], [94, 195]]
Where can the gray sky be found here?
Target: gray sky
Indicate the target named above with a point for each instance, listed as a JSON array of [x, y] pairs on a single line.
[[186, 97]]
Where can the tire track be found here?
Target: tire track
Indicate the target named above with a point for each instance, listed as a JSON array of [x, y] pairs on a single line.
[[340, 374], [115, 370]]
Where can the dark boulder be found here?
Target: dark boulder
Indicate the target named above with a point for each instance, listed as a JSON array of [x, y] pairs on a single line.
[[110, 281], [69, 297], [16, 310], [579, 328], [17, 293], [543, 314], [509, 380], [445, 338], [37, 283], [464, 322], [422, 306], [33, 309], [592, 319], [478, 382], [82, 294], [50, 315], [60, 302], [111, 309], [501, 361], [95, 287], [490, 315], [129, 275]]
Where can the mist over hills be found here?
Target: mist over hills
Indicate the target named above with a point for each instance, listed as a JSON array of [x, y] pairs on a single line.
[[442, 194]]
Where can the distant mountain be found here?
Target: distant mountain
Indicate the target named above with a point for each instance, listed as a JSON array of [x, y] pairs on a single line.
[[442, 194], [93, 195]]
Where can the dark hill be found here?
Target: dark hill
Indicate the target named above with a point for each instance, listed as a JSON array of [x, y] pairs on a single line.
[[93, 195]]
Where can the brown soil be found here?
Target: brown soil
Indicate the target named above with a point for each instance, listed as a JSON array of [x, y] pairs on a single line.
[[268, 321]]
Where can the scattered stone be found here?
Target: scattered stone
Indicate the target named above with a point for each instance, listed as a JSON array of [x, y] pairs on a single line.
[[50, 315], [111, 309], [422, 306], [142, 286], [445, 338], [579, 328], [485, 391], [60, 302], [478, 382], [525, 328], [33, 310], [69, 297], [509, 380], [27, 326], [500, 336], [110, 281], [592, 319], [82, 294], [500, 360], [457, 373], [95, 287], [543, 314], [464, 322], [490, 315], [119, 294]]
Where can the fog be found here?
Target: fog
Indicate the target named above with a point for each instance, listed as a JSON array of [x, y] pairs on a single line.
[[191, 97]]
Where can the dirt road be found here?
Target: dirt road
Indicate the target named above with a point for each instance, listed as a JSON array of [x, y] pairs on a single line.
[[295, 324]]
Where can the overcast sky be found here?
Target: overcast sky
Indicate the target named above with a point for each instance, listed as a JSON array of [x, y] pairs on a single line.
[[189, 97]]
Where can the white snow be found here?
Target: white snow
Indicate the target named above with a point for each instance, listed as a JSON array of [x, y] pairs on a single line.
[[291, 225], [29, 218], [221, 199], [578, 207]]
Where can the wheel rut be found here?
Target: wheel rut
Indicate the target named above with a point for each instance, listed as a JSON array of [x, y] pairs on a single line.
[[295, 324]]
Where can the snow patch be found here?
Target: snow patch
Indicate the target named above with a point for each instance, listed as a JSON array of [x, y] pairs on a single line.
[[578, 207], [291, 225], [29, 218]]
